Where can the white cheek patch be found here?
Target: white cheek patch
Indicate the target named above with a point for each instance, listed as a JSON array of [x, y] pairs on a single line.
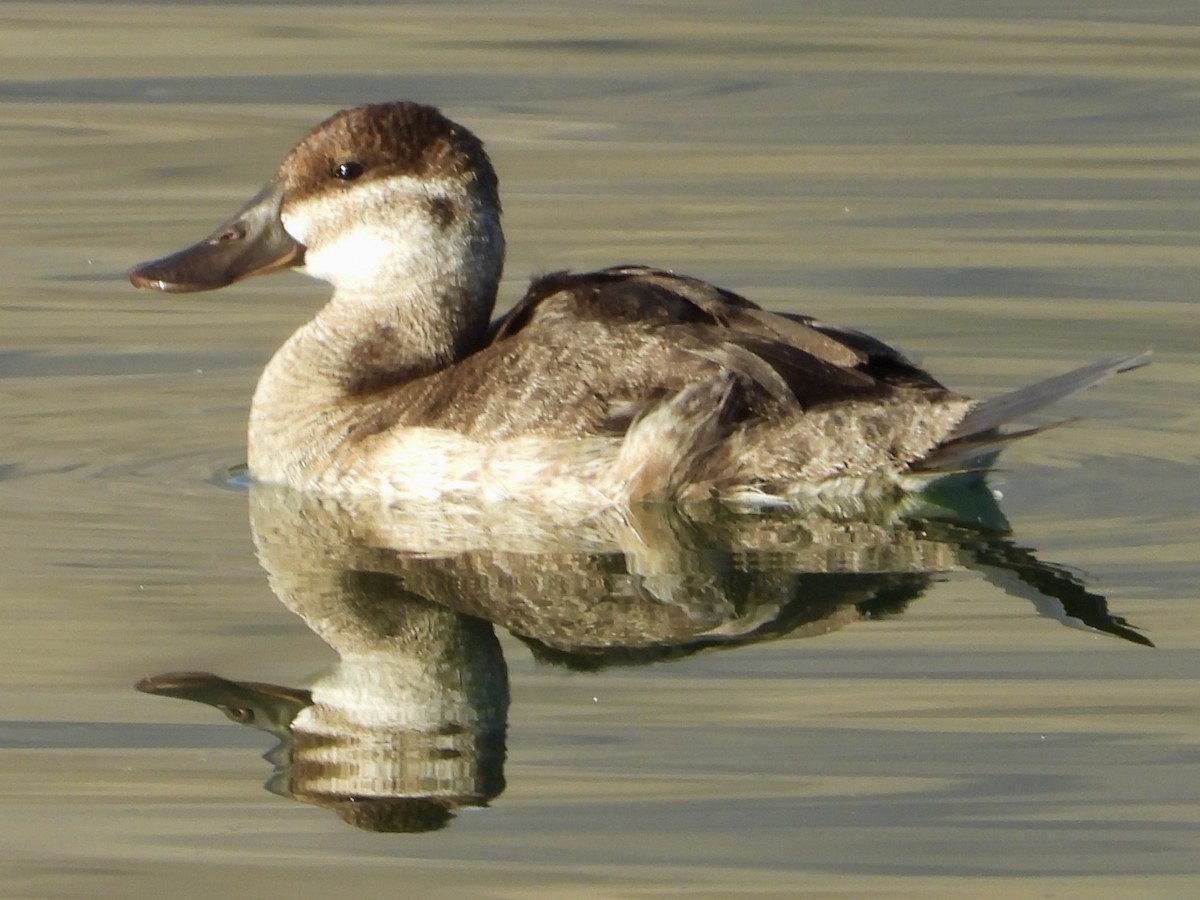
[[357, 255], [355, 235]]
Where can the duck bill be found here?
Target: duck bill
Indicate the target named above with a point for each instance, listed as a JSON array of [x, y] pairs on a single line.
[[252, 242], [248, 702]]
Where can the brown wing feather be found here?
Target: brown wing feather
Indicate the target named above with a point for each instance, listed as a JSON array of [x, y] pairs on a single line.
[[588, 353]]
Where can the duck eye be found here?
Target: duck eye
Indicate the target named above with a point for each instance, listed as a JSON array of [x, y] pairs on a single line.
[[347, 171]]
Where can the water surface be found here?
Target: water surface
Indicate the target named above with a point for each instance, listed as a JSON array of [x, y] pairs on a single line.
[[1002, 196]]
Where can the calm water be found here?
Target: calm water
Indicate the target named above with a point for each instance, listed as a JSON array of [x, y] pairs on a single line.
[[662, 706]]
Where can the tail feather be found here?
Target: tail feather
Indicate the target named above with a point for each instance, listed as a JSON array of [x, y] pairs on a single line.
[[976, 440]]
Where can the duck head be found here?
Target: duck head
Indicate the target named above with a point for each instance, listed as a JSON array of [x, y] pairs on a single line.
[[374, 196]]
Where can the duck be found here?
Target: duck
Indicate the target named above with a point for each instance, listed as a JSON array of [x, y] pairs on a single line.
[[624, 385]]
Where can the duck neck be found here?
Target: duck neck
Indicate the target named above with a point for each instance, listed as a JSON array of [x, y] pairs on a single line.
[[337, 372]]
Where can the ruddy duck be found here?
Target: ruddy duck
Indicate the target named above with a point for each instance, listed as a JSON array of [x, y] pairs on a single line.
[[610, 387]]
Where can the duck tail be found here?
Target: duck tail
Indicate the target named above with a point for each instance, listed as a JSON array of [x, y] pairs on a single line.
[[976, 440]]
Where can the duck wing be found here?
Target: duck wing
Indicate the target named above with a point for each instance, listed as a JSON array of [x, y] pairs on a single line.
[[654, 333]]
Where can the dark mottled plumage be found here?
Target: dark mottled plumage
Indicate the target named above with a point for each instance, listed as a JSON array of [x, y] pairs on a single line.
[[615, 342]]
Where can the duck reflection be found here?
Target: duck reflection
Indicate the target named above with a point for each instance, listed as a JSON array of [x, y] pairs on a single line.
[[410, 724]]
